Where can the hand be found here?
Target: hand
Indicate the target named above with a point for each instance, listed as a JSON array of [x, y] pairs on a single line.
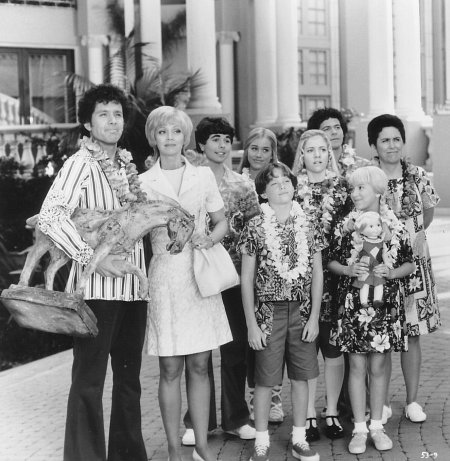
[[257, 339], [311, 331], [201, 241], [358, 269], [382, 271], [109, 266]]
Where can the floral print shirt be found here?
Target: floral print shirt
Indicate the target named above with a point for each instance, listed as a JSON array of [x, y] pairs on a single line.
[[270, 287]]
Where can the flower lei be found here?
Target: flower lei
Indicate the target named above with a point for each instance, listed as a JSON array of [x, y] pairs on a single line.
[[305, 192], [409, 205], [277, 256], [390, 220], [127, 187], [347, 158]]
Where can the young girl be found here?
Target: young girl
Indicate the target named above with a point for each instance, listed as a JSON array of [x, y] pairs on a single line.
[[367, 334], [281, 252], [324, 197]]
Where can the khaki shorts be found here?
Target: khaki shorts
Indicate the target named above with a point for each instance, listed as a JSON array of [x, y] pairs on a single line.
[[286, 342]]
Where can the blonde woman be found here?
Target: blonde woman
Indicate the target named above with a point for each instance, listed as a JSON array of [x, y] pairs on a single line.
[[323, 195]]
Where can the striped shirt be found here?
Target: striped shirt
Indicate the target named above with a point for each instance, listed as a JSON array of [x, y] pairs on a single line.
[[81, 183]]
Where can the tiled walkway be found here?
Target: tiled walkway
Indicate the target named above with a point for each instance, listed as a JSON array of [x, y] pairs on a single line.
[[33, 400]]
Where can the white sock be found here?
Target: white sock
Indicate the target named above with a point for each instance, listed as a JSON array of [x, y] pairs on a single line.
[[298, 434], [262, 438], [375, 424], [361, 427]]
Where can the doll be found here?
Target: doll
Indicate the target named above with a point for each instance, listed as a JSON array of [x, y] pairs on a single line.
[[369, 238]]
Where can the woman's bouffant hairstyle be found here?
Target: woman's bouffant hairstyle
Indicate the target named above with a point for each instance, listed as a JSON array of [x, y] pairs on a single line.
[[299, 161], [103, 93], [266, 175], [258, 133], [372, 175], [377, 124], [320, 115], [167, 115], [212, 125]]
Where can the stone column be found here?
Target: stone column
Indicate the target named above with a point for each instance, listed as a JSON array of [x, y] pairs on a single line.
[[266, 62], [287, 63], [201, 55], [380, 52], [128, 12], [226, 41], [95, 46], [447, 52], [407, 59], [150, 27]]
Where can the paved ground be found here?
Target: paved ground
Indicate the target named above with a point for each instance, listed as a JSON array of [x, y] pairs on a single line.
[[33, 400]]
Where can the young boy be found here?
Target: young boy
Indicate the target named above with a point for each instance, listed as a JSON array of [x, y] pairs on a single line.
[[281, 254]]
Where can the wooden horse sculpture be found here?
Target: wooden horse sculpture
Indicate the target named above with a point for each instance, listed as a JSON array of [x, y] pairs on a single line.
[[107, 232]]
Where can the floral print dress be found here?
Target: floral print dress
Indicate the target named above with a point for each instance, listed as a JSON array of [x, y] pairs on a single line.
[[362, 330], [408, 196], [324, 202]]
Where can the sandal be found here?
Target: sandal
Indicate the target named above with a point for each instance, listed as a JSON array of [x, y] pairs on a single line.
[[312, 432], [335, 431]]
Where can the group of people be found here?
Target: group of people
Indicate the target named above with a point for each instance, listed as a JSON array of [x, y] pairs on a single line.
[[332, 256]]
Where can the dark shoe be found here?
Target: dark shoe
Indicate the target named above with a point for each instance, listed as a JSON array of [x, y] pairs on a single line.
[[335, 431], [312, 432], [377, 305]]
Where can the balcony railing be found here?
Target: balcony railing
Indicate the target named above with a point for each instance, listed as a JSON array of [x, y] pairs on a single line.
[[63, 3]]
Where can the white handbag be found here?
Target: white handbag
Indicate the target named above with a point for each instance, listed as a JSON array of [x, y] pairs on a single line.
[[214, 270]]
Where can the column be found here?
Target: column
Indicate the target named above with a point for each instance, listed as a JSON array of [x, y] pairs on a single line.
[[201, 54], [447, 52], [380, 52], [266, 62], [226, 41], [287, 63], [407, 58], [95, 46], [128, 13], [150, 27]]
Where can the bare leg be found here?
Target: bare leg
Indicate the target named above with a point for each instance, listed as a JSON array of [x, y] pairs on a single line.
[[169, 395], [261, 402], [312, 386], [411, 362], [334, 377], [387, 378], [357, 385], [198, 400], [299, 397], [376, 384]]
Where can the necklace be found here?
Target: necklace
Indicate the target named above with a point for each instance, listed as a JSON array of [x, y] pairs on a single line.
[[392, 240], [317, 198], [277, 256], [126, 184]]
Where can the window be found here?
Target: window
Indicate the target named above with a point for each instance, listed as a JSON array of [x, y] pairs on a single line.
[[32, 89], [317, 18], [318, 67]]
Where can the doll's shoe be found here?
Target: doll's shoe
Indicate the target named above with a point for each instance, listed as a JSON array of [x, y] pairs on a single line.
[[335, 430], [414, 413], [312, 432]]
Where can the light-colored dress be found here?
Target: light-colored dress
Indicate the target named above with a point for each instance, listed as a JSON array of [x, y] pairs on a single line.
[[180, 320]]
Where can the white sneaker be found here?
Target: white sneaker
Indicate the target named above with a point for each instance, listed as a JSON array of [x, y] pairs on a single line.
[[276, 414], [380, 440], [358, 442], [387, 413], [188, 438], [414, 413], [245, 432]]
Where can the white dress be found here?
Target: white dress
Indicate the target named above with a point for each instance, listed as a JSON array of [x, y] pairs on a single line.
[[180, 321]]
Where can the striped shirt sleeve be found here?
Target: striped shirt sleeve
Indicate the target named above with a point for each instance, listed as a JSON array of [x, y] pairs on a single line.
[[59, 204]]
